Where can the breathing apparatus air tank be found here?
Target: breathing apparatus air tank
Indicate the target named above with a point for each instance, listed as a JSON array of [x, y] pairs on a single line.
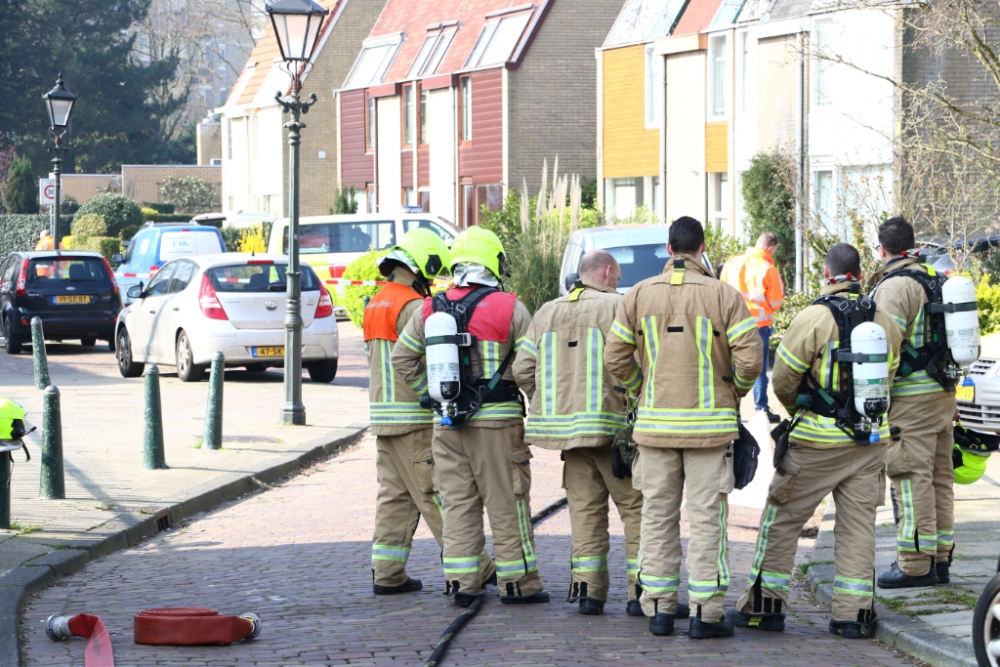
[[961, 325], [443, 374], [871, 373]]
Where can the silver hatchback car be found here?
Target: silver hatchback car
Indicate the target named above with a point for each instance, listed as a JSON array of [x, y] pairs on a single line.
[[641, 251], [979, 405]]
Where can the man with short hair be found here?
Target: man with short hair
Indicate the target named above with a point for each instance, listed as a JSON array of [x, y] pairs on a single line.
[[757, 278], [919, 464], [822, 458], [687, 345], [577, 407]]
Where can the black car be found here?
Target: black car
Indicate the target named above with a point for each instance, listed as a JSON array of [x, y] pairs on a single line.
[[73, 292]]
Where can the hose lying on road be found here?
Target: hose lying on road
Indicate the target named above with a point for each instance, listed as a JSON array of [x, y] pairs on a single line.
[[466, 616]]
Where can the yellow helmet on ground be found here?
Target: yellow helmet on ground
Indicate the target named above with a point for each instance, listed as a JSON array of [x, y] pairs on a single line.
[[971, 452], [479, 246], [11, 420], [426, 251]]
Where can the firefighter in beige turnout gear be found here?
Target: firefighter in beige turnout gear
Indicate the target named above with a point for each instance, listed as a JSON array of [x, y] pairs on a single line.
[[485, 463], [698, 350], [402, 428], [919, 464], [577, 407], [821, 459]]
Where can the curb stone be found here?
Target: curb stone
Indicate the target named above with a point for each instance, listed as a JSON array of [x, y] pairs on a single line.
[[895, 630], [128, 530]]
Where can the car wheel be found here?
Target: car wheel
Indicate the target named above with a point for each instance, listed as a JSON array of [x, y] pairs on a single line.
[[88, 342], [985, 624], [11, 340], [127, 364], [323, 371], [187, 371], [255, 368]]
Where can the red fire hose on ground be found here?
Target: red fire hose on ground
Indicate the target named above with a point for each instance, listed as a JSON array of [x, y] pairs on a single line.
[[170, 626]]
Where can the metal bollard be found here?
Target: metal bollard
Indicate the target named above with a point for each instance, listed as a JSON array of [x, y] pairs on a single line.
[[5, 491], [152, 449], [41, 360], [53, 484], [212, 438]]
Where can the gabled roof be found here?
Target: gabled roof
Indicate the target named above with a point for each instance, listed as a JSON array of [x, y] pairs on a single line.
[[413, 22], [265, 54], [698, 16], [642, 21]]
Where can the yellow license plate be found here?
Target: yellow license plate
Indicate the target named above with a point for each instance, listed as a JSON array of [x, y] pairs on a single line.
[[73, 298], [967, 394], [269, 351]]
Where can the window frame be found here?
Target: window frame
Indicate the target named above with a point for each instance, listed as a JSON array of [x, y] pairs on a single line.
[[408, 127], [423, 103], [821, 75], [371, 112], [489, 32], [718, 69], [653, 70], [465, 109]]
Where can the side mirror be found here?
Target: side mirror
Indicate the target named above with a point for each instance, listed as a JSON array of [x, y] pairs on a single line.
[[571, 279], [134, 292], [117, 259]]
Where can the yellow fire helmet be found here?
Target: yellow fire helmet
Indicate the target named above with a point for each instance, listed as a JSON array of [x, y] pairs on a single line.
[[479, 246], [11, 420], [423, 251]]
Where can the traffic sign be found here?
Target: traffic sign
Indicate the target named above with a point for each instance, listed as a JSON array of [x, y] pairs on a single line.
[[47, 192]]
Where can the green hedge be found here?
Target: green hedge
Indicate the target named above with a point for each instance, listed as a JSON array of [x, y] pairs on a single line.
[[20, 232], [174, 217], [159, 207], [105, 245], [117, 210], [363, 268]]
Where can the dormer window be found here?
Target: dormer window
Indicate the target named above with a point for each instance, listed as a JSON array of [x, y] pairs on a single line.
[[435, 46], [371, 66], [498, 39]]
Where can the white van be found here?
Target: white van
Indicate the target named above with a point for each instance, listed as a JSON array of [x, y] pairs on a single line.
[[328, 243]]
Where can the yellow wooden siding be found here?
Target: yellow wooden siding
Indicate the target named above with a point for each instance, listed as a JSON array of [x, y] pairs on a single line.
[[629, 148], [716, 147]]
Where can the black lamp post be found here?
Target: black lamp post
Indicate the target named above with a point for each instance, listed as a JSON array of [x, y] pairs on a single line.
[[296, 26], [60, 102]]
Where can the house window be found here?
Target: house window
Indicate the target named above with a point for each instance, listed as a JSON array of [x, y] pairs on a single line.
[[369, 124], [823, 199], [718, 104], [370, 198], [466, 109], [422, 123], [490, 196], [229, 138], [468, 206], [409, 197], [267, 203], [232, 202], [654, 78], [822, 89], [253, 135], [623, 195], [497, 40], [431, 53], [372, 63], [409, 116]]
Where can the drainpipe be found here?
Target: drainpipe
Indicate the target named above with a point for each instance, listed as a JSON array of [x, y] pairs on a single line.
[[663, 139], [800, 147]]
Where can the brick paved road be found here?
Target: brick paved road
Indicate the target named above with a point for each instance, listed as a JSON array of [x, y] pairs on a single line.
[[298, 555]]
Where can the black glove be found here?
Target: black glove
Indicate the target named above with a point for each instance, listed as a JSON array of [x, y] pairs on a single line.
[[619, 468]]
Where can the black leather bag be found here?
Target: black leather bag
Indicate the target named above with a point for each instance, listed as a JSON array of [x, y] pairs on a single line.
[[745, 454]]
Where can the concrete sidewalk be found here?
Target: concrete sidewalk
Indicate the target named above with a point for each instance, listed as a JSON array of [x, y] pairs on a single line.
[[112, 502], [933, 624]]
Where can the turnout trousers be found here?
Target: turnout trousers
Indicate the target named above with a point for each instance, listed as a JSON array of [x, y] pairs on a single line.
[[919, 466], [589, 482], [662, 475], [481, 467], [405, 492], [805, 476]]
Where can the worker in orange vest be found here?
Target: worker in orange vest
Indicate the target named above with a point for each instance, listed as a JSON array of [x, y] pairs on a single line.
[[755, 275]]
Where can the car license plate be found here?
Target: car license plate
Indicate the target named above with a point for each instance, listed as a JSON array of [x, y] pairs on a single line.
[[269, 351], [966, 393], [73, 298]]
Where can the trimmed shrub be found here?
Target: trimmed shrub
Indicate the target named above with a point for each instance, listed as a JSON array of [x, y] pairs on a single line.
[[126, 233], [90, 225], [150, 214], [768, 191], [20, 232], [159, 206], [174, 217], [21, 191], [189, 194], [105, 245], [117, 210], [363, 268], [231, 237], [69, 206], [988, 298]]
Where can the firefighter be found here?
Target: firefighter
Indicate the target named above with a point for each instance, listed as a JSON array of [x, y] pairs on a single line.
[[822, 458], [402, 427], [577, 407], [919, 465], [685, 342], [481, 459], [755, 275]]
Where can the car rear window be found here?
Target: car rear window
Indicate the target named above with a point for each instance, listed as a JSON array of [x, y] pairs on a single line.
[[68, 270], [344, 237], [639, 262], [255, 278]]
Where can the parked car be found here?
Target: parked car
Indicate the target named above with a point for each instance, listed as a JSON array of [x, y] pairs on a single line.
[[232, 303], [941, 253], [73, 292], [641, 251], [979, 405], [156, 243], [329, 243]]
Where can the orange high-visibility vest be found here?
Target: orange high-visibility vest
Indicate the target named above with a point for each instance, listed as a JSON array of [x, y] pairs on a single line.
[[756, 277], [383, 311]]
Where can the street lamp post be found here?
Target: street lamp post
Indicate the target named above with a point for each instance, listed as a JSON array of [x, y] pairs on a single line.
[[60, 102], [296, 26]]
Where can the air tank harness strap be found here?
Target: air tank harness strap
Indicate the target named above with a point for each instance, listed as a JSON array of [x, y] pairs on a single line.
[[952, 307]]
